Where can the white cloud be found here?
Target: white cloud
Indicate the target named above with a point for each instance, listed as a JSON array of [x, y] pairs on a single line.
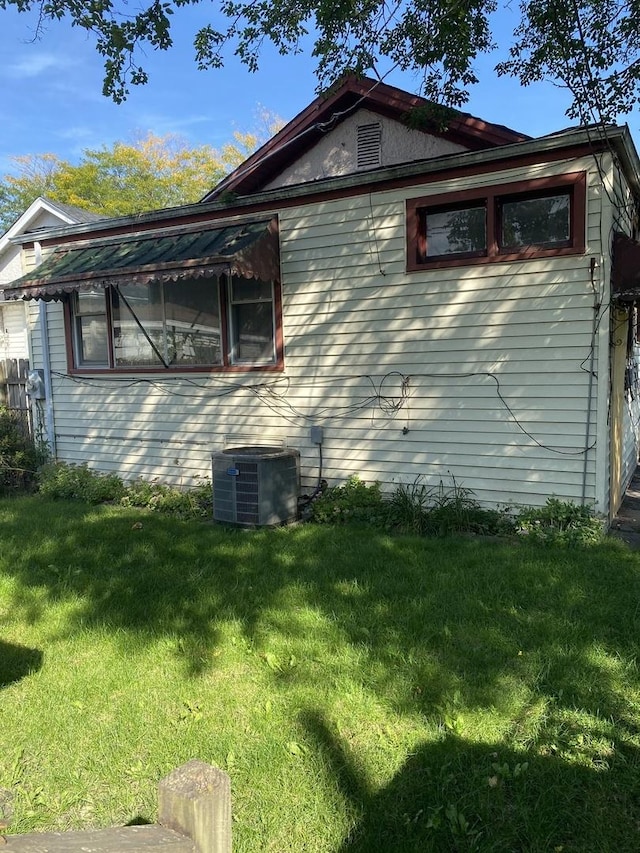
[[165, 124], [35, 63]]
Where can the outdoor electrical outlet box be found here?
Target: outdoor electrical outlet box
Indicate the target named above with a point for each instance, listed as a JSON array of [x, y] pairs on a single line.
[[316, 434]]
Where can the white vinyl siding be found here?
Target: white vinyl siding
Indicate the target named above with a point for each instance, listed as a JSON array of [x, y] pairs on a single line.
[[13, 331], [355, 322]]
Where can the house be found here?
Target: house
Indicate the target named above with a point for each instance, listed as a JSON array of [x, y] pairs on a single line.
[[15, 337], [394, 290], [41, 214]]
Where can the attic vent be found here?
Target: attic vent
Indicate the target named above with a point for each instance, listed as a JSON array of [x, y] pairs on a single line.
[[369, 145]]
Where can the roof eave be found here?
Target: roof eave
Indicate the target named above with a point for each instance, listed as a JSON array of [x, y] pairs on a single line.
[[618, 137]]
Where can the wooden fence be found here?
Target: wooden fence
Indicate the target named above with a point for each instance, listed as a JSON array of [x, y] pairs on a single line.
[[194, 816], [13, 387], [13, 391]]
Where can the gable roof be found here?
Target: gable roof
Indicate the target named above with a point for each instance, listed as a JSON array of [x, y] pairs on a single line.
[[327, 111], [67, 213], [75, 214]]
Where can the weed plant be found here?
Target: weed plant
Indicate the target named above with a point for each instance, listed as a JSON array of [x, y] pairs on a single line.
[[400, 693], [352, 502], [181, 503], [20, 454], [61, 481], [561, 522], [447, 510], [413, 508]]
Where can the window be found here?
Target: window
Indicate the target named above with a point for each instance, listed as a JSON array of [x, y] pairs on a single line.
[[252, 338], [90, 327], [167, 323], [529, 221], [456, 231], [214, 323], [537, 218]]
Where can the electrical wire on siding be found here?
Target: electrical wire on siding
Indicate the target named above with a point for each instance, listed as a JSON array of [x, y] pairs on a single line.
[[273, 395], [375, 237]]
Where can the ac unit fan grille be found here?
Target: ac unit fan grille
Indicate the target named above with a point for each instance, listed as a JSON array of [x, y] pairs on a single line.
[[247, 499]]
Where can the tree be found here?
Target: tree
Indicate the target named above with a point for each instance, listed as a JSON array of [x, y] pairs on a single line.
[[148, 174], [592, 47]]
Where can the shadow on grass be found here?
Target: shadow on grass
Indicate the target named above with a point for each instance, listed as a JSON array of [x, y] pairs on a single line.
[[16, 662], [458, 795], [428, 619]]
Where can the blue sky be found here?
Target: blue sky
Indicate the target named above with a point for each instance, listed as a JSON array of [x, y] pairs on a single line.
[[52, 99]]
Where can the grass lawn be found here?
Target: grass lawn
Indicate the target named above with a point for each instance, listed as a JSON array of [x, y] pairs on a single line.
[[364, 692]]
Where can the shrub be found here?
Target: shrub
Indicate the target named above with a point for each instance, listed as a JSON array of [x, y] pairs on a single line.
[[20, 455], [78, 482], [561, 522], [354, 501]]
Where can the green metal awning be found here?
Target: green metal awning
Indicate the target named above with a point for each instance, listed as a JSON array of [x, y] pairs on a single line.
[[249, 250]]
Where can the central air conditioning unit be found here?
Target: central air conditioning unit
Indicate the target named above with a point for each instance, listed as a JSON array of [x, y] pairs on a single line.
[[256, 486]]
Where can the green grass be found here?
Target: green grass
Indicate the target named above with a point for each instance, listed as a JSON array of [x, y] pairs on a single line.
[[364, 692]]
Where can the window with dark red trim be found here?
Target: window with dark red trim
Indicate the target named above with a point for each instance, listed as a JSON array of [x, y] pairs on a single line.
[[537, 218], [224, 323]]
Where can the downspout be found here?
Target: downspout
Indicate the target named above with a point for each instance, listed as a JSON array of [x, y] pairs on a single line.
[[49, 420], [594, 331]]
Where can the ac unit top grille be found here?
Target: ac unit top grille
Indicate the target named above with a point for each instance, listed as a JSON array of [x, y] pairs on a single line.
[[257, 452]]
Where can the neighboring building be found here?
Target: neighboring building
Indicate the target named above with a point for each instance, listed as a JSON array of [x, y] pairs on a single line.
[[40, 215], [432, 291]]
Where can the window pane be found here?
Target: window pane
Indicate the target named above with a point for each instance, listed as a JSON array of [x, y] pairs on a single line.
[[129, 341], [92, 340], [456, 231], [192, 317], [90, 302], [536, 221], [91, 331], [250, 290], [253, 332]]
